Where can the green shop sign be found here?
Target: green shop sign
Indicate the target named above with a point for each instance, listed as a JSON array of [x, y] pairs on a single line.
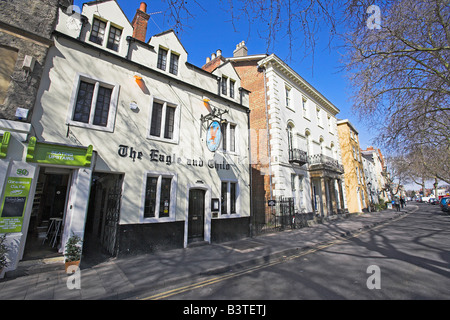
[[4, 144], [14, 204], [58, 154]]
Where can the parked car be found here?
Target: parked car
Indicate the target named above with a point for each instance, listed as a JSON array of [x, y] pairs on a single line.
[[433, 201], [444, 204]]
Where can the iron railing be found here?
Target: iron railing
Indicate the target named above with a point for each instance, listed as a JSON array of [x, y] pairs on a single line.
[[298, 156], [320, 161]]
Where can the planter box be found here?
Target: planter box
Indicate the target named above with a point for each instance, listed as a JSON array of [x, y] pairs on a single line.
[[72, 263]]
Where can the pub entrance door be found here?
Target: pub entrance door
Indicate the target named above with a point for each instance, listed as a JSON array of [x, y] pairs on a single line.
[[196, 215]]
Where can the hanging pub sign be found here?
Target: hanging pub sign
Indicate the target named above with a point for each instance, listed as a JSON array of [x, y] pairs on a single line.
[[14, 204], [213, 136]]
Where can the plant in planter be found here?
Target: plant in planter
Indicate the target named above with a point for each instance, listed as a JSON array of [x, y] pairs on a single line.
[[3, 252], [73, 251]]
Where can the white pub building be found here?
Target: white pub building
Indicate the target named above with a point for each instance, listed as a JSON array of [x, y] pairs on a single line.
[[132, 147]]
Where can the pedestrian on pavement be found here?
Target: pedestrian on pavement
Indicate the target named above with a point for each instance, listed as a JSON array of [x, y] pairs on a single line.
[[402, 202], [397, 204]]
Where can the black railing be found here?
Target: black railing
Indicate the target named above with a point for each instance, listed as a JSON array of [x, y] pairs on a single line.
[[325, 162], [298, 156]]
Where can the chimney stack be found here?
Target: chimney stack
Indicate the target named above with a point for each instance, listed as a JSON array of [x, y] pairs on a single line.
[[140, 22], [214, 61], [241, 50]]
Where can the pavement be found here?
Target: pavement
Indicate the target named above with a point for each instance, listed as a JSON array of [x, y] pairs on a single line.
[[135, 277]]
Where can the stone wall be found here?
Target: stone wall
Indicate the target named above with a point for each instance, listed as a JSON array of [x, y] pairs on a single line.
[[26, 27]]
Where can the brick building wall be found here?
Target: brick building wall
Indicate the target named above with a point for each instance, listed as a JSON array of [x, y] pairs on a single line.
[[253, 79]]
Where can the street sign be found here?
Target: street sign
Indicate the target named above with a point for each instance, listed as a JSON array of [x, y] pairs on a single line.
[[271, 203]]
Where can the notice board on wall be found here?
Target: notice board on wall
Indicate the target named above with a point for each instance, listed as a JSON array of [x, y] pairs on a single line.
[[13, 204]]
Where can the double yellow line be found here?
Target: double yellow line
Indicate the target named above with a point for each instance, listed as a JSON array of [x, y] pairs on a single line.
[[208, 282]]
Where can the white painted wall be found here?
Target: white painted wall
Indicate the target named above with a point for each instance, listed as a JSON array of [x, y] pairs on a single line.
[[69, 60]]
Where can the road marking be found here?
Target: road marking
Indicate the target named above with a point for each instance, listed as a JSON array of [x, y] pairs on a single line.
[[283, 259]]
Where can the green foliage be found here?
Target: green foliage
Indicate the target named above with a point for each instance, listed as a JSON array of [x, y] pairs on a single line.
[[73, 249], [381, 205]]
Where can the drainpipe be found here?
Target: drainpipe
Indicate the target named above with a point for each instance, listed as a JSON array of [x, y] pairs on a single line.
[[84, 20], [250, 174], [269, 154], [129, 40]]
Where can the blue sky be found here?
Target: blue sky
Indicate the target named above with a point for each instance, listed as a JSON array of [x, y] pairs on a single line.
[[212, 29]]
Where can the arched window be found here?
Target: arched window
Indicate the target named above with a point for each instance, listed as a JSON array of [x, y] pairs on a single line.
[[321, 141], [308, 142], [290, 135]]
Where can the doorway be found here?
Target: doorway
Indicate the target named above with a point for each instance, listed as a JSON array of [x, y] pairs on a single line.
[[47, 216], [196, 215], [100, 238]]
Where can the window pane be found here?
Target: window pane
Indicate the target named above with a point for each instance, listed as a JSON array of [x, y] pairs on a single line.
[[173, 64], [170, 119], [98, 31], [114, 38], [102, 106], [150, 197], [232, 83], [233, 197], [84, 102], [224, 136], [162, 59], [289, 132], [155, 128], [288, 93], [224, 85], [224, 198], [232, 137], [164, 203]]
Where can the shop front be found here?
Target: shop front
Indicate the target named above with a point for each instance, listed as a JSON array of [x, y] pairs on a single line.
[[44, 193]]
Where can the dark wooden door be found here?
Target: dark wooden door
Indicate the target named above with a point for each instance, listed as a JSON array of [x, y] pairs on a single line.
[[196, 216]]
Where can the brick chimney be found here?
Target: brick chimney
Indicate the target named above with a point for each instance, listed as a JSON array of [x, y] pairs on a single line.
[[241, 50], [140, 22], [212, 63]]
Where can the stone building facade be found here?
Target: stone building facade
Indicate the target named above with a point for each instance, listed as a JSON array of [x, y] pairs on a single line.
[[355, 179], [26, 27]]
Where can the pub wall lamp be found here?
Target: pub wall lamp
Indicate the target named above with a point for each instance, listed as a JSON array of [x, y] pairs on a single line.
[[215, 113]]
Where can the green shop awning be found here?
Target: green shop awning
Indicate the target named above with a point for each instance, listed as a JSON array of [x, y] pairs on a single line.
[[48, 153]]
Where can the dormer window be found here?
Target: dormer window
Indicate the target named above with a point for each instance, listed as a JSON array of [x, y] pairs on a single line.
[[162, 59], [98, 31], [232, 85], [114, 38], [173, 68], [224, 85]]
